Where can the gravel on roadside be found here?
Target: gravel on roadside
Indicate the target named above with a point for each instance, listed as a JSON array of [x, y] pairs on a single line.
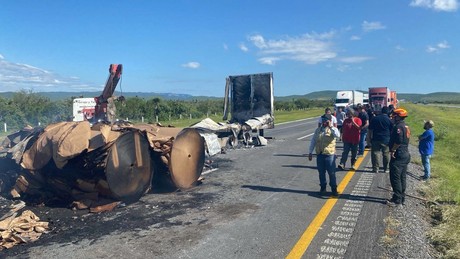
[[407, 225]]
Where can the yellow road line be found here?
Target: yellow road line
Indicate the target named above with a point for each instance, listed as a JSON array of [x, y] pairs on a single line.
[[302, 245]]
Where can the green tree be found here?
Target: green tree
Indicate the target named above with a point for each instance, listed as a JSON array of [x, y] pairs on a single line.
[[33, 105], [132, 108], [11, 115]]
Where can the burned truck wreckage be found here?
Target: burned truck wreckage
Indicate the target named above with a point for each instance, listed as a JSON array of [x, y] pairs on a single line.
[[89, 165], [250, 101], [96, 165], [119, 160], [93, 166]]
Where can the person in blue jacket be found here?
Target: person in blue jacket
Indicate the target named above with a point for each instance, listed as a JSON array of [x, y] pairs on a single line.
[[426, 147]]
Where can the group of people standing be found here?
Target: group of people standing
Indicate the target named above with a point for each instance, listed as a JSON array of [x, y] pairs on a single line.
[[388, 136], [354, 125]]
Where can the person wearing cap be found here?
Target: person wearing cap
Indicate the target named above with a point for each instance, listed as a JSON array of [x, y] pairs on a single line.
[[323, 142], [399, 156], [426, 147], [379, 132], [328, 111], [350, 137]]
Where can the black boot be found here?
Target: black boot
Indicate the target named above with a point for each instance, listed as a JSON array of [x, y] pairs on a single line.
[[322, 191], [334, 191]]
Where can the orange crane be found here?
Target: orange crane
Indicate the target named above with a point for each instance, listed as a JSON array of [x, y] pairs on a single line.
[[102, 111]]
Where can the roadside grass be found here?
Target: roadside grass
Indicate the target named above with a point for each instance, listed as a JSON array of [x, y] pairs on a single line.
[[391, 232], [444, 186], [284, 116]]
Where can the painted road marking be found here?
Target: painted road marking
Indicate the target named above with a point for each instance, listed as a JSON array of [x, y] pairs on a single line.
[[338, 239], [209, 171], [305, 136], [304, 242]]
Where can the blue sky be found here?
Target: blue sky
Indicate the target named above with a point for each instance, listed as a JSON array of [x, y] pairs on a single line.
[[190, 47]]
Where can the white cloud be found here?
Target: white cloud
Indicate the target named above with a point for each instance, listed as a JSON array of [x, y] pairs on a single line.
[[258, 41], [354, 37], [399, 48], [268, 60], [443, 45], [16, 77], [309, 48], [354, 59], [243, 47], [372, 26], [343, 68], [1, 57], [431, 49], [437, 5], [438, 47], [192, 64], [225, 46]]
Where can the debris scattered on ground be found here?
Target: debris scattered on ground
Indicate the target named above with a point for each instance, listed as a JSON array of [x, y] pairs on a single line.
[[24, 228]]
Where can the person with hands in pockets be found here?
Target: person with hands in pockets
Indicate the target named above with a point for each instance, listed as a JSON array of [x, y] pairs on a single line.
[[323, 142]]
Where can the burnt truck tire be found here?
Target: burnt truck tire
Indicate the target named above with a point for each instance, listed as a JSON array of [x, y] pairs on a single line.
[[187, 158], [129, 167]]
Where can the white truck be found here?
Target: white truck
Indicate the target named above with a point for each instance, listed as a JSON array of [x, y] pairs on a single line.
[[366, 99], [83, 108], [99, 108], [348, 98]]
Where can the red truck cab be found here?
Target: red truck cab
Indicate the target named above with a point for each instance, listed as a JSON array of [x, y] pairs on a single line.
[[379, 97]]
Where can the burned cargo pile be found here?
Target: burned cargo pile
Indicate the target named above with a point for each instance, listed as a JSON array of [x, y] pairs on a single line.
[[96, 167]]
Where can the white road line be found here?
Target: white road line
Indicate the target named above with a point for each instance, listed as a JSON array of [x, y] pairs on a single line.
[[336, 245], [305, 136], [209, 171]]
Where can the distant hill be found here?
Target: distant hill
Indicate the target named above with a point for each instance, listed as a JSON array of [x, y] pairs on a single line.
[[445, 97], [318, 95], [66, 95], [431, 97]]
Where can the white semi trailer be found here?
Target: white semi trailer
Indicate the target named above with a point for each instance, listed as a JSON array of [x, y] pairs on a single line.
[[348, 98]]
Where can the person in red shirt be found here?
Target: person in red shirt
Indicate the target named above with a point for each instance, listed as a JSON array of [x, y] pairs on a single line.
[[351, 130]]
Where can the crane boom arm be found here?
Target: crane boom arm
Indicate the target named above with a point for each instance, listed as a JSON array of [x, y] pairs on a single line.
[[115, 71], [112, 82]]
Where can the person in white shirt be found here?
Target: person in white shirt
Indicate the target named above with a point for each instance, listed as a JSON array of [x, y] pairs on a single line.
[[334, 119]]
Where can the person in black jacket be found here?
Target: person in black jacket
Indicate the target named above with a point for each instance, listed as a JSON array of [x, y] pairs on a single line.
[[400, 157], [379, 132]]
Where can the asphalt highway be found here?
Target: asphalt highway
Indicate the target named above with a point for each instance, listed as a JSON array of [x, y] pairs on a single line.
[[256, 202]]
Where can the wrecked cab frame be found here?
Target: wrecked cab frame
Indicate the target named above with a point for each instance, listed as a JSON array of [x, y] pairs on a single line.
[[249, 99]]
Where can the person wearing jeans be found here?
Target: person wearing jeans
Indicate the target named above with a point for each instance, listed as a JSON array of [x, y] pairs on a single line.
[[350, 137], [326, 164], [426, 148], [362, 114], [323, 142]]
